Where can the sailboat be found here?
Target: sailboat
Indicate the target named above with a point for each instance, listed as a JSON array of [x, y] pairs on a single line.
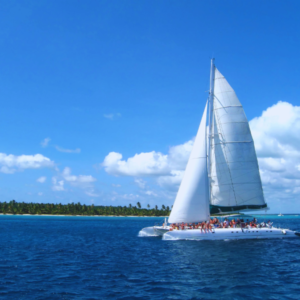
[[222, 174]]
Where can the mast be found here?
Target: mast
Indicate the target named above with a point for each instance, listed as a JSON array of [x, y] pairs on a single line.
[[210, 120]]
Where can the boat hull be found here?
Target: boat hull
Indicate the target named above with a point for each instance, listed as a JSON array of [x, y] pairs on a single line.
[[230, 234], [161, 230]]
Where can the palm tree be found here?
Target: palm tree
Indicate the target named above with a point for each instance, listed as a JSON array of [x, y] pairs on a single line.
[[138, 205], [163, 207], [156, 208], [148, 205]]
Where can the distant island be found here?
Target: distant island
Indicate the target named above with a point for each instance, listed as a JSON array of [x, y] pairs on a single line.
[[78, 209]]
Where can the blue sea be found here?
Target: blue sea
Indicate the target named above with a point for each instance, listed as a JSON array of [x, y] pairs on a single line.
[[103, 258]]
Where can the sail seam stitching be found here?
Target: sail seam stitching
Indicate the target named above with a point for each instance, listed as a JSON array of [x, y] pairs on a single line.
[[228, 106], [225, 154]]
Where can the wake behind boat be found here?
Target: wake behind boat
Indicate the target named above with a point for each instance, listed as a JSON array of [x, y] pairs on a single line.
[[222, 173]]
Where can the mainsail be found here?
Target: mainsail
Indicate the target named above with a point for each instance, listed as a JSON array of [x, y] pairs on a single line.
[[192, 200], [235, 182]]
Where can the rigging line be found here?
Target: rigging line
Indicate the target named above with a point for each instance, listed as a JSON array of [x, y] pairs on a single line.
[[221, 142], [237, 161], [222, 184], [251, 199], [228, 106], [234, 122]]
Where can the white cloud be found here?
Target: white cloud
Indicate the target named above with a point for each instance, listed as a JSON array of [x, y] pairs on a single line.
[[40, 194], [45, 142], [172, 181], [150, 193], [112, 116], [41, 179], [130, 196], [82, 181], [77, 150], [140, 182], [149, 163], [91, 193], [77, 180], [167, 168], [58, 185], [12, 163], [143, 164], [277, 140]]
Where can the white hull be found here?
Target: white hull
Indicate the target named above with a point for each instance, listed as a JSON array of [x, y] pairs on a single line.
[[230, 234], [222, 233]]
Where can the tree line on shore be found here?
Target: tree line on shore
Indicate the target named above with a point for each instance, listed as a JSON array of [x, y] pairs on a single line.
[[20, 208]]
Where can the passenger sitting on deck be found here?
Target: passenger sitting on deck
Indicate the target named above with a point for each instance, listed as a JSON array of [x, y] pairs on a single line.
[[238, 222], [220, 225], [216, 223], [252, 224], [225, 223], [203, 226], [232, 223], [182, 226], [208, 226]]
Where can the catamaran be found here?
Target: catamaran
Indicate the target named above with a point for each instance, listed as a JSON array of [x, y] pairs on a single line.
[[222, 173]]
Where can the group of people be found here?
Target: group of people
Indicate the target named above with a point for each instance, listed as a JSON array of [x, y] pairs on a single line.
[[215, 223]]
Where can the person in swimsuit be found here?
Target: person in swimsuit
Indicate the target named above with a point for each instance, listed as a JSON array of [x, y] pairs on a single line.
[[225, 223], [208, 226], [203, 227]]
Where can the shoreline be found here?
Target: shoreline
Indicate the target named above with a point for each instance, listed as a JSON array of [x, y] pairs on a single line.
[[114, 216]]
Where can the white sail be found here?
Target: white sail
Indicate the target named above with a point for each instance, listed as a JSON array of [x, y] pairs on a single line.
[[235, 180], [192, 200]]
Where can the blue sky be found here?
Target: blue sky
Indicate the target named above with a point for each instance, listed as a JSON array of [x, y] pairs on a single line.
[[130, 77]]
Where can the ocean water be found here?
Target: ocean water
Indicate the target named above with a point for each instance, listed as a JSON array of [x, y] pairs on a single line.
[[103, 258]]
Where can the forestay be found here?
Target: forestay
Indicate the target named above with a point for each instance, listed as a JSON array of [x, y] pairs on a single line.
[[235, 180], [192, 200]]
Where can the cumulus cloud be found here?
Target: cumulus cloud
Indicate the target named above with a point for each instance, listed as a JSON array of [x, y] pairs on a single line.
[[167, 168], [45, 142], [277, 140], [92, 193], [41, 179], [148, 163], [77, 150], [151, 193], [11, 163], [58, 185], [171, 181], [81, 181], [140, 182], [77, 180], [40, 194]]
